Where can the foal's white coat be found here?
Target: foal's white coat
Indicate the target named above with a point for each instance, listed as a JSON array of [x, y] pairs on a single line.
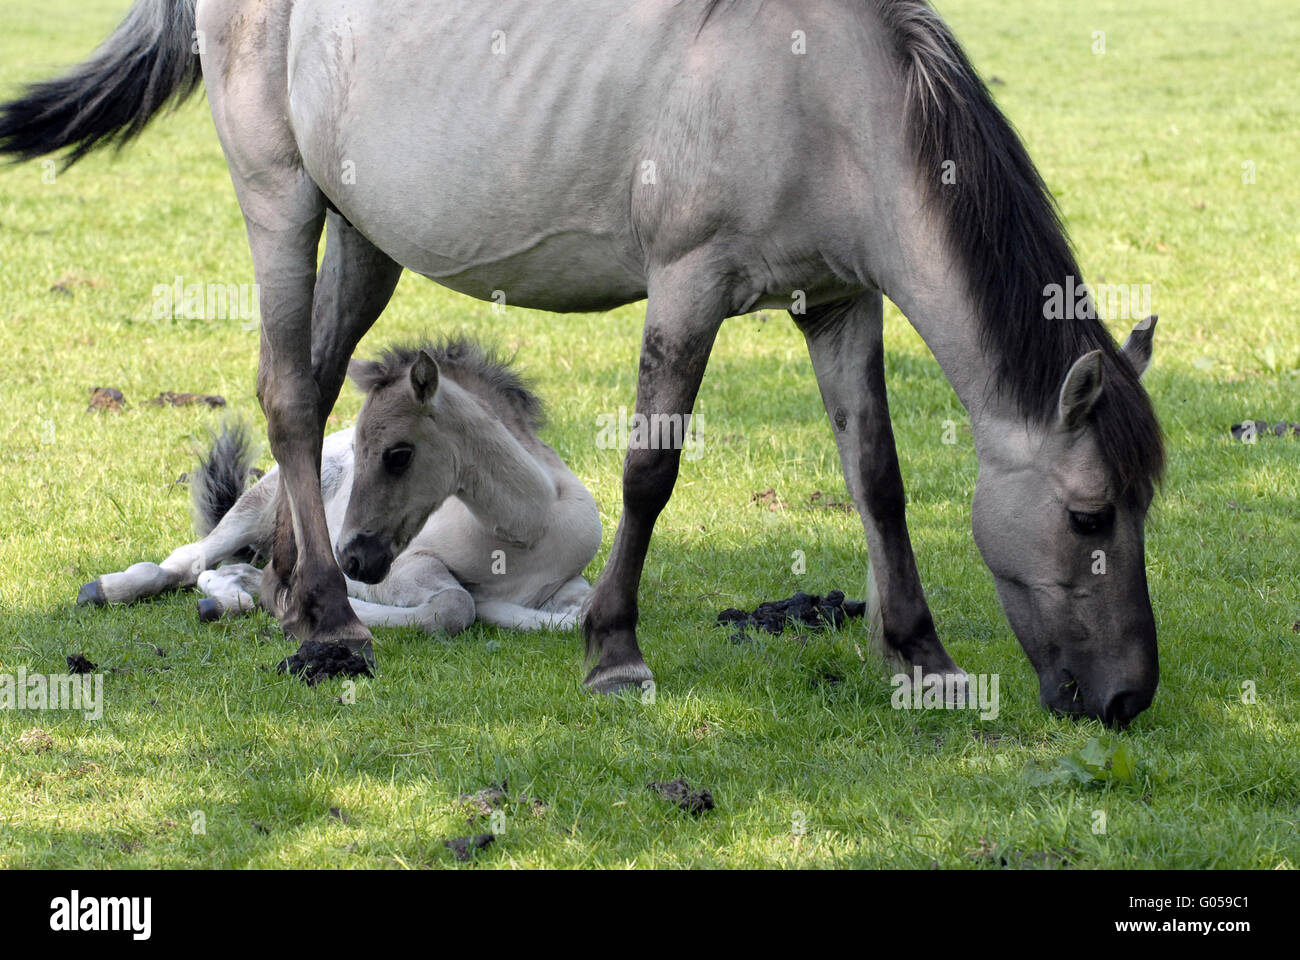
[[455, 570]]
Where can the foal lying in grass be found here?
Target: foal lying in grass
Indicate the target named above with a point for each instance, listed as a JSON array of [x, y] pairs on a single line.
[[442, 504]]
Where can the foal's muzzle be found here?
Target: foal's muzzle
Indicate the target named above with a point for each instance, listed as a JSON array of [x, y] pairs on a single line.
[[365, 558]]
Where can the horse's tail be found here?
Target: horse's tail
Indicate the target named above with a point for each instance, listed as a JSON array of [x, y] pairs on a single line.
[[222, 476], [149, 59]]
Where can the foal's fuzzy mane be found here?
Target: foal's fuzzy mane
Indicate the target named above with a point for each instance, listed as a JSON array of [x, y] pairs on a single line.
[[1006, 230], [474, 366]]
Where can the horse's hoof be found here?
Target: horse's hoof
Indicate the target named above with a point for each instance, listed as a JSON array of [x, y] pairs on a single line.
[[367, 654], [615, 688], [316, 661], [92, 594], [209, 610], [618, 679]]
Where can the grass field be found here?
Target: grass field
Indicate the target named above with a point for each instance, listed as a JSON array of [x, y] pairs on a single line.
[[1149, 147]]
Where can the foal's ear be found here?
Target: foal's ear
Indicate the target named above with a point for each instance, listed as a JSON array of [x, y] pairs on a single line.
[[1137, 348], [424, 377], [364, 373], [1080, 390]]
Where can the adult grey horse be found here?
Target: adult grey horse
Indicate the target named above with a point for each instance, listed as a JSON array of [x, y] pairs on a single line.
[[717, 157]]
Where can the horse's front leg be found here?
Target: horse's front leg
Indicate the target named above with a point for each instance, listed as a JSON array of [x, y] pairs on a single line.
[[844, 340], [685, 309]]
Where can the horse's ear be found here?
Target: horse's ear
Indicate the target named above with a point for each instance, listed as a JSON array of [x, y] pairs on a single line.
[[1080, 390], [424, 377], [1137, 348], [364, 373]]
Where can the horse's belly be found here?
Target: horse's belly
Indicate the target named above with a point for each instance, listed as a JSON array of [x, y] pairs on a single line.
[[564, 273], [504, 176]]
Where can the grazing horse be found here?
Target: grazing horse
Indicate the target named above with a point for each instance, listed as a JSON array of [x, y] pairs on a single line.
[[453, 510], [715, 157]]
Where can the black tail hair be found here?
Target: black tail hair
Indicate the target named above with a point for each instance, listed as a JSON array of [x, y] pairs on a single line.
[[147, 61], [222, 476]]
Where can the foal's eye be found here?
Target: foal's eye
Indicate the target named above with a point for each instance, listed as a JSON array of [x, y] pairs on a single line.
[[1090, 523], [398, 458]]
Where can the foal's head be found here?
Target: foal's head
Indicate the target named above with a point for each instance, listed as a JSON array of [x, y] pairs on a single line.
[[406, 449], [1062, 532]]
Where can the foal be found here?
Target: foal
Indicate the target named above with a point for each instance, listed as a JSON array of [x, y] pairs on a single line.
[[444, 463]]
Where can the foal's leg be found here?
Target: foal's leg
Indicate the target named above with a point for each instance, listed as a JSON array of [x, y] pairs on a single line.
[[844, 340], [419, 591], [685, 310], [570, 597], [515, 616], [247, 524], [229, 591]]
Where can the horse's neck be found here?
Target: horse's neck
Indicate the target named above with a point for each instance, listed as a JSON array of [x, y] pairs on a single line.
[[506, 488], [928, 284]]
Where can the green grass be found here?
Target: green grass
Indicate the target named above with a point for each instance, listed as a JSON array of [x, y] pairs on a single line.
[[1143, 145]]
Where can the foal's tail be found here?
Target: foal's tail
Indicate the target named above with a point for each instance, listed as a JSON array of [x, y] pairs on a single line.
[[151, 58], [222, 476]]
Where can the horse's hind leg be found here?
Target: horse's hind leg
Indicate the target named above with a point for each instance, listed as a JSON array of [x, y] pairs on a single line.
[[245, 525], [355, 282], [246, 68], [229, 591], [354, 285], [844, 340], [141, 580], [687, 305]]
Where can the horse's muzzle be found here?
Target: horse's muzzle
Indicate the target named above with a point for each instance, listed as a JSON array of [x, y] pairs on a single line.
[[365, 558], [1114, 708]]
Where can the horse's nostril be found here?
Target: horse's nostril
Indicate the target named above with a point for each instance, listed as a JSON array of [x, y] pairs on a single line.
[[1124, 706], [352, 567]]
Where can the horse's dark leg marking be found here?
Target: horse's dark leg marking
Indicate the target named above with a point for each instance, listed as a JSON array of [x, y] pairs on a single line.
[[844, 340], [355, 282], [682, 318]]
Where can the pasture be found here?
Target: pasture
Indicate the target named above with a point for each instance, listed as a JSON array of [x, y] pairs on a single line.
[[1170, 150]]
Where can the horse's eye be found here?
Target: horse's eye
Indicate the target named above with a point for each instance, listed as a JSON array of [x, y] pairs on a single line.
[[1086, 524], [398, 458]]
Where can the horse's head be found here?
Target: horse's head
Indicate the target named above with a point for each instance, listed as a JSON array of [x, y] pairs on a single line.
[[406, 461], [1065, 544]]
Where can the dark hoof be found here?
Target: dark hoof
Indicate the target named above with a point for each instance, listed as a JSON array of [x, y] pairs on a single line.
[[209, 610], [92, 594], [317, 661]]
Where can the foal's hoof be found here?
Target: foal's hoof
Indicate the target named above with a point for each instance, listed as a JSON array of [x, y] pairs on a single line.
[[621, 678], [317, 661], [209, 610], [92, 594]]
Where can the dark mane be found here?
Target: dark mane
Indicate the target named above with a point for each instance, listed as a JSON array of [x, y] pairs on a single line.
[[477, 368], [1007, 232]]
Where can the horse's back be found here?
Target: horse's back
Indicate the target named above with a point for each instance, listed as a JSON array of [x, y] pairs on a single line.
[[546, 152]]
